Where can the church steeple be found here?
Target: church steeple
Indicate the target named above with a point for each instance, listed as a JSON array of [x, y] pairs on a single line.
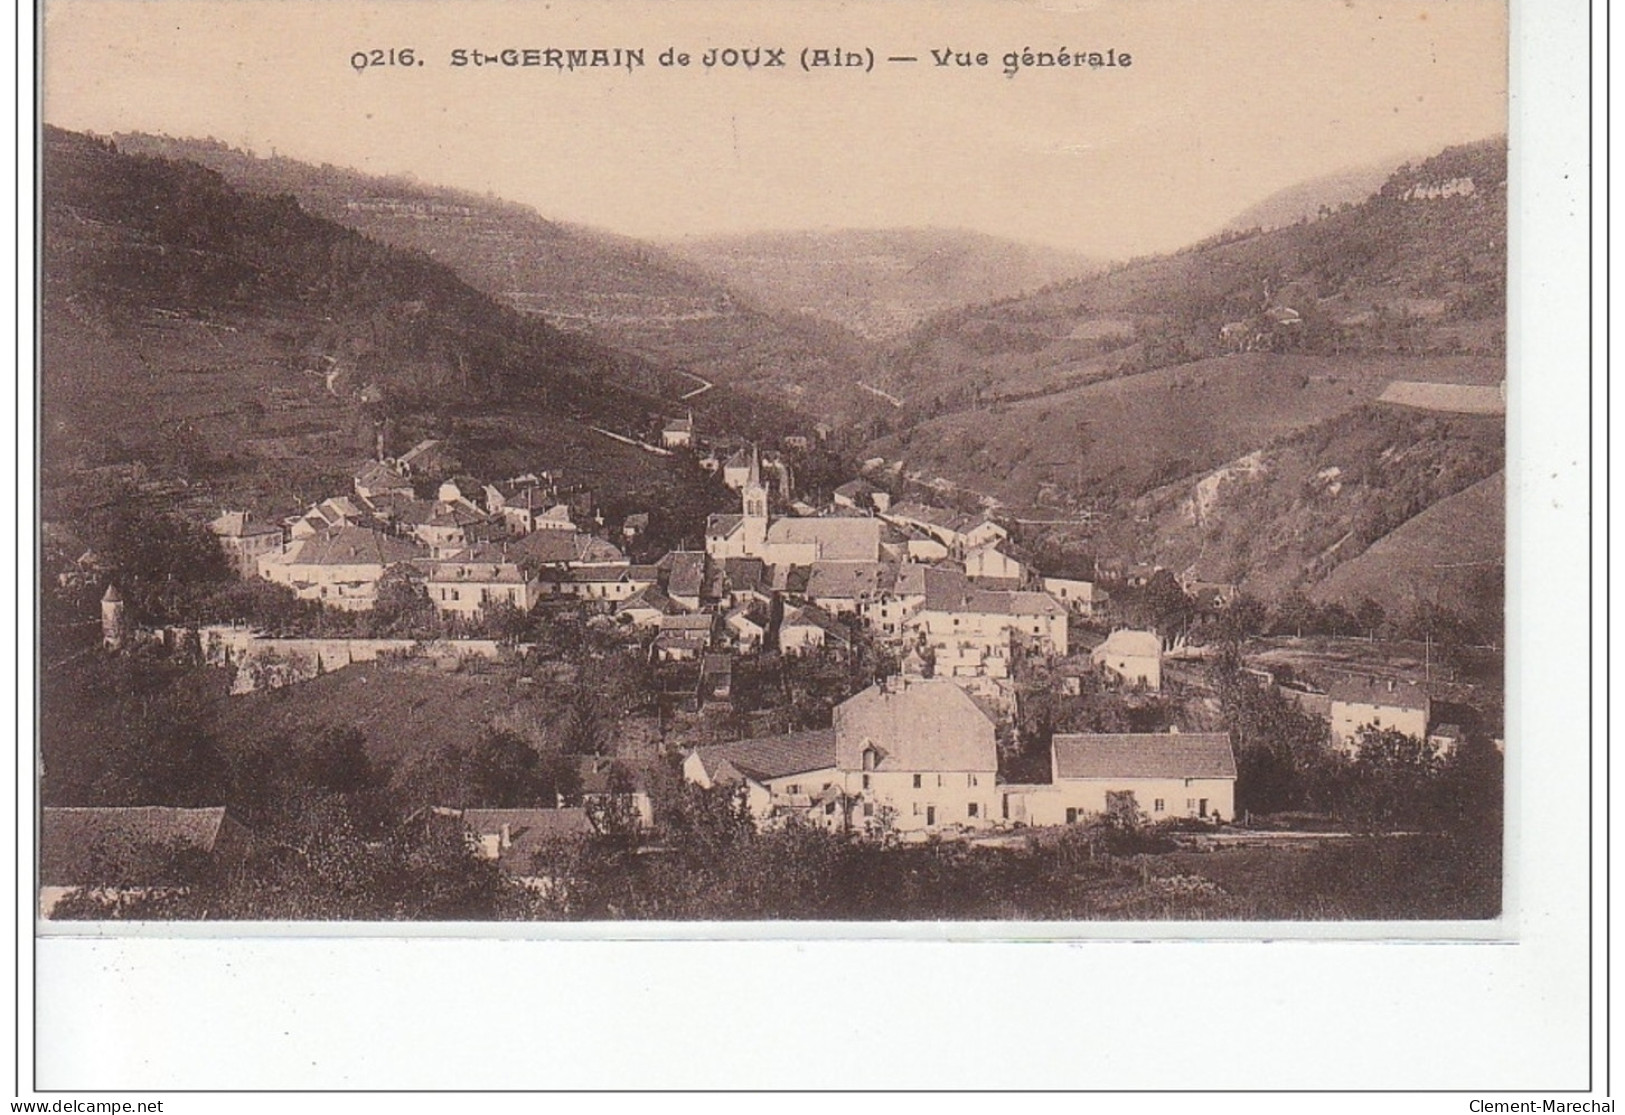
[[753, 502]]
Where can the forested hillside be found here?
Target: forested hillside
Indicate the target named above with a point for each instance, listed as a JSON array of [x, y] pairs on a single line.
[[628, 294], [196, 335]]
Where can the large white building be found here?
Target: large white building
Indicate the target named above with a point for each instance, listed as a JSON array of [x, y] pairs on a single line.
[[918, 755]]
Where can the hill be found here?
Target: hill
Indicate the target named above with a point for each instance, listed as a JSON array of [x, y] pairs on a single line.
[[1418, 268], [879, 283], [1121, 437], [1314, 199], [227, 343], [1294, 512], [1452, 554], [626, 294]]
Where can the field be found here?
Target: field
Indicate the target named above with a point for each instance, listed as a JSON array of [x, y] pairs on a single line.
[[1129, 434]]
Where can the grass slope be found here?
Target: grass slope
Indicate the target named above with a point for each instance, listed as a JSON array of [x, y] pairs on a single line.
[[1453, 554], [1129, 434]]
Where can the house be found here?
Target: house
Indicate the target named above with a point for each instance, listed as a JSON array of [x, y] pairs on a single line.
[[987, 563], [635, 525], [958, 531], [521, 841], [614, 583], [1359, 702], [244, 541], [557, 549], [747, 628], [917, 754], [685, 581], [906, 543], [466, 582], [746, 581], [683, 638], [329, 513], [425, 458], [340, 567], [535, 509], [970, 631], [442, 525], [678, 433], [1079, 596], [1446, 738], [902, 593], [379, 479], [132, 850], [716, 677], [1163, 774], [808, 628], [862, 496], [844, 587], [646, 608], [608, 782], [1134, 657], [736, 469], [780, 774]]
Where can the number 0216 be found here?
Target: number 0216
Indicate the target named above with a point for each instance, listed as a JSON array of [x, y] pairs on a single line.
[[367, 59]]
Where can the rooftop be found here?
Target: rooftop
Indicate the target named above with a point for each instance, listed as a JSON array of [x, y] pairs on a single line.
[[1144, 755], [774, 756]]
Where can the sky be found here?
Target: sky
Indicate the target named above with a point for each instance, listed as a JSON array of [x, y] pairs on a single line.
[[1224, 102]]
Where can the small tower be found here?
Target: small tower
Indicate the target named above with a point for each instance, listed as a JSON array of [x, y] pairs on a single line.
[[753, 501], [113, 619]]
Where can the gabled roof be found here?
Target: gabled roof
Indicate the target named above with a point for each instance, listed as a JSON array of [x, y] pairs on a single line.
[[78, 845], [352, 545], [852, 489], [1131, 644], [651, 596], [740, 459], [835, 539], [378, 474], [529, 831], [810, 615], [687, 573], [846, 580], [916, 724], [690, 621], [1385, 692], [563, 547], [723, 525], [745, 573], [773, 756], [1144, 755]]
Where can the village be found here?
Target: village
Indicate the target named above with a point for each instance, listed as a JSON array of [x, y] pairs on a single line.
[[936, 643]]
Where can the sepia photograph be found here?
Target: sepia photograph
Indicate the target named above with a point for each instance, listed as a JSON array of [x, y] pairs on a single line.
[[706, 463]]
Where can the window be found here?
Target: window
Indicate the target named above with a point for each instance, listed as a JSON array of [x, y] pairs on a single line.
[[939, 781], [866, 782], [868, 809], [1071, 816], [970, 780], [829, 808], [970, 810], [793, 788], [916, 782], [916, 809], [1190, 804], [1157, 806]]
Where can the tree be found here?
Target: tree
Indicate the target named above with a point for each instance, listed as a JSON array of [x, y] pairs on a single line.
[[402, 605], [1368, 614]]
